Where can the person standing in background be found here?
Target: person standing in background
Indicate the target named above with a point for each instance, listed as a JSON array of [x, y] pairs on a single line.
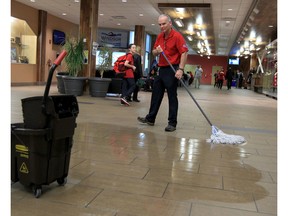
[[128, 82], [138, 73], [216, 79], [198, 76], [229, 77], [221, 78], [175, 49]]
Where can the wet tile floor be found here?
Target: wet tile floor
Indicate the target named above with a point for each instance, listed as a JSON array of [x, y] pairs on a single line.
[[119, 167]]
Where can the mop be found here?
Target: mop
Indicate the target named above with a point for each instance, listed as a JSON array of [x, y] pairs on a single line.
[[217, 136]]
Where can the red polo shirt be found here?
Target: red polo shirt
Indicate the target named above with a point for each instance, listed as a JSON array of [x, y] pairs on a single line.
[[129, 71], [173, 47]]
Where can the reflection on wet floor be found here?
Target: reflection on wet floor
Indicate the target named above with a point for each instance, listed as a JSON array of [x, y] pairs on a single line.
[[124, 168]]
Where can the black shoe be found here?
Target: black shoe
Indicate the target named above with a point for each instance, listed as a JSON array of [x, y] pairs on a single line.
[[170, 128], [124, 101], [145, 121], [136, 100]]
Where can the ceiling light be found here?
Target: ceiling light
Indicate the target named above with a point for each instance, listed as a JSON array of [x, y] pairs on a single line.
[[190, 28], [246, 44], [189, 38], [179, 22], [179, 10], [252, 35], [124, 1], [203, 33], [252, 17], [256, 10], [199, 20]]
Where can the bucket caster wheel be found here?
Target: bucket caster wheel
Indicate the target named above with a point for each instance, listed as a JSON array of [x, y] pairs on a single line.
[[62, 181], [37, 191]]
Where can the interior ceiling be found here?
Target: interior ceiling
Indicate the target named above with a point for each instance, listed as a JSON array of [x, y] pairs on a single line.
[[226, 21]]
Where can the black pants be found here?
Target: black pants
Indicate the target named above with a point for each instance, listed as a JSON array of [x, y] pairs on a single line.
[[165, 80], [136, 89], [220, 83], [128, 86], [229, 83]]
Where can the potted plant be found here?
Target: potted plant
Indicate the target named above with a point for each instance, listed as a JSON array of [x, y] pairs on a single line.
[[60, 82], [74, 82], [98, 86]]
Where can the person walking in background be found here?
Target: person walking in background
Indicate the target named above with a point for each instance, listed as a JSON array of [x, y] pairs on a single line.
[[198, 76], [221, 78], [240, 82], [237, 75], [149, 82], [216, 79], [128, 82], [138, 73], [229, 77], [191, 79], [175, 49]]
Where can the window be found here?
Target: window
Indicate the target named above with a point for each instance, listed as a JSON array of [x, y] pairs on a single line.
[[23, 42]]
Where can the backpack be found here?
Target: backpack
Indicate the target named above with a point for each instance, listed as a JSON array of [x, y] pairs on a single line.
[[119, 66]]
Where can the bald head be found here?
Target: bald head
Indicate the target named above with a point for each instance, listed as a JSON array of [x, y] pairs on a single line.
[[165, 16], [165, 23]]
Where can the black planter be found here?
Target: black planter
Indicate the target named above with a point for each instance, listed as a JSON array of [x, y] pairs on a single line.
[[115, 86], [98, 87], [74, 85], [60, 83]]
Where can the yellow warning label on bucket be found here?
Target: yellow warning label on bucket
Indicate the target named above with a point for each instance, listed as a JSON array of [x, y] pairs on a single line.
[[22, 150], [24, 168]]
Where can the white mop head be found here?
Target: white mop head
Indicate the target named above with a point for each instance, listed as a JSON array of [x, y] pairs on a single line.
[[219, 137]]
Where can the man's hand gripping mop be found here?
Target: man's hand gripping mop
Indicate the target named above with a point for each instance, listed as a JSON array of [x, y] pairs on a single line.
[[217, 135]]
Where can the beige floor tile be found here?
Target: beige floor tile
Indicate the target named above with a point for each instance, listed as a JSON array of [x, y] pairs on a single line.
[[32, 206], [125, 184], [263, 188], [137, 205], [210, 196], [267, 204], [91, 166], [184, 178], [205, 210], [77, 195], [167, 164], [247, 172]]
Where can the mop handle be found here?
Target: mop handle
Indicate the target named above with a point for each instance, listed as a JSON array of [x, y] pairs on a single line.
[[50, 76], [187, 90]]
